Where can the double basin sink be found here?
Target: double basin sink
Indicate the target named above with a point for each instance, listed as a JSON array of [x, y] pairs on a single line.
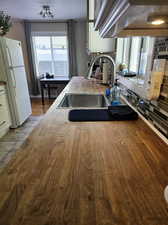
[[84, 101]]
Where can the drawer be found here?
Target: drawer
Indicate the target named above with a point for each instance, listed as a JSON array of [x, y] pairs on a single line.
[[4, 127], [4, 111], [2, 89], [4, 121], [4, 115], [3, 130], [2, 92], [3, 101], [3, 124]]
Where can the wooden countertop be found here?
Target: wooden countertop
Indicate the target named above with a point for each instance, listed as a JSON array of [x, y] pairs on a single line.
[[91, 173], [2, 82]]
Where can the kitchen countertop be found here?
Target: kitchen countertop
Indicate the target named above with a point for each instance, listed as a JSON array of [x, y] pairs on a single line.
[[2, 82], [92, 173]]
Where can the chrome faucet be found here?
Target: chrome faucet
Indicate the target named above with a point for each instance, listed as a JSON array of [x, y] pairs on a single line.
[[112, 62]]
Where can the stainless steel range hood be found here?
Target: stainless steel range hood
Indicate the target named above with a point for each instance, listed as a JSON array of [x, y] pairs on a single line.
[[118, 18]]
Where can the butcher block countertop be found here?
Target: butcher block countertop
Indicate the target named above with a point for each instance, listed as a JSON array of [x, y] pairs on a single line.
[[2, 82], [92, 173]]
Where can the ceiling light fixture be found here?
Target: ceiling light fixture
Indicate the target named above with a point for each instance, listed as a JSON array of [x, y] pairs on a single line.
[[157, 20], [46, 12]]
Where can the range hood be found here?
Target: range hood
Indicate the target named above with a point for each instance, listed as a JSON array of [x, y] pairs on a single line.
[[120, 18]]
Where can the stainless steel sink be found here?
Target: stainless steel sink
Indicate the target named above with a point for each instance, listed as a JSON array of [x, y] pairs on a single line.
[[84, 101]]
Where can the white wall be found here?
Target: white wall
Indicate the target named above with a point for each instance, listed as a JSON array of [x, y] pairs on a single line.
[[81, 44], [17, 32]]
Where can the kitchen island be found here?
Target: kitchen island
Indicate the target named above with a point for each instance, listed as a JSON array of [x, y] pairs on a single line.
[[91, 173]]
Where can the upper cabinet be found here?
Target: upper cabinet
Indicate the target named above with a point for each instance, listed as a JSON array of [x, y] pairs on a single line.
[[121, 18], [98, 44]]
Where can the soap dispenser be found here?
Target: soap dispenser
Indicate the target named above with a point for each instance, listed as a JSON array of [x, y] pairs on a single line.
[[115, 94]]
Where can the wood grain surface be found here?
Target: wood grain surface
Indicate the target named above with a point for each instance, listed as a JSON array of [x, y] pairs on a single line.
[[92, 173], [38, 108], [2, 82]]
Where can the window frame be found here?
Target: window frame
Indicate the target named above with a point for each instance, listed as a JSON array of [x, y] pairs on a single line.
[[127, 49], [52, 53], [137, 54]]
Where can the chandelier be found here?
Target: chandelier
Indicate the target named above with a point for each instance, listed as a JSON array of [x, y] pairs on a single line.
[[45, 12]]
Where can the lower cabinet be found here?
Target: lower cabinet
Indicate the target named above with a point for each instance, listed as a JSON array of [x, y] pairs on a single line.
[[5, 121]]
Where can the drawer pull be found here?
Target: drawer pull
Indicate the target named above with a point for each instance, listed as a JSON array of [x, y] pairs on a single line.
[[2, 123], [1, 105]]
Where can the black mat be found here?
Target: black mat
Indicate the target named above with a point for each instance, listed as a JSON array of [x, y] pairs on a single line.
[[113, 113]]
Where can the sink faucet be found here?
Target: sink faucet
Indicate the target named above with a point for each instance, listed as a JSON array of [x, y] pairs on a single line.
[[112, 62]]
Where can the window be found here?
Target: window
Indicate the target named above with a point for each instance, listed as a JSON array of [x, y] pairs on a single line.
[[51, 54], [135, 54], [126, 50], [146, 59]]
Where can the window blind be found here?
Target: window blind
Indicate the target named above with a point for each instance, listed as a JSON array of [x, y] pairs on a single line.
[[49, 29]]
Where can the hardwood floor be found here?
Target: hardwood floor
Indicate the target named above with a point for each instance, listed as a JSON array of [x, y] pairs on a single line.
[[37, 108], [12, 141]]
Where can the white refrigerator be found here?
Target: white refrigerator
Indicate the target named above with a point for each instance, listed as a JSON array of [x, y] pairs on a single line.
[[12, 71]]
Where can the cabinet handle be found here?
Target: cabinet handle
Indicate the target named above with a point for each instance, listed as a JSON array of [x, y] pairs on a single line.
[[1, 90], [2, 123], [1, 105]]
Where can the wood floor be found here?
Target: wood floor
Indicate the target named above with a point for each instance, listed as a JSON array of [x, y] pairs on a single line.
[[12, 141], [38, 108]]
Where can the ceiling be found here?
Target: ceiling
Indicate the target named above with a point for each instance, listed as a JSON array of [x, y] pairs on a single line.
[[29, 9]]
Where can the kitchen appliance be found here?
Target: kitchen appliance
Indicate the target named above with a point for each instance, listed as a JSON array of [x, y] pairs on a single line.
[[123, 18], [13, 73]]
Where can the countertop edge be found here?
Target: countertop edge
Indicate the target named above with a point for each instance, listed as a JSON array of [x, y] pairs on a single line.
[[159, 134], [2, 83]]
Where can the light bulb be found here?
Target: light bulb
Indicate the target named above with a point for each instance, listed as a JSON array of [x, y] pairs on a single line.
[[158, 22]]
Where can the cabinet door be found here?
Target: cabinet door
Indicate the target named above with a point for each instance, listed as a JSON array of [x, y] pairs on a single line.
[[4, 119], [4, 111], [98, 44]]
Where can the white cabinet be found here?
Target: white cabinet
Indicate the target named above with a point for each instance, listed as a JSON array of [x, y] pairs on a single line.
[[5, 121], [98, 44], [95, 42]]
